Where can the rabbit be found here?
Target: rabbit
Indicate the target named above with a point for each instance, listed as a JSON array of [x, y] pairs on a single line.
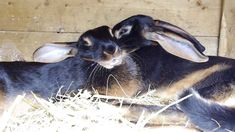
[[207, 115], [173, 61], [94, 62]]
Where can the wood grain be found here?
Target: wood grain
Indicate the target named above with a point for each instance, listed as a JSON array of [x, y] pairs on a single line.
[[227, 34], [199, 17], [27, 42], [30, 23]]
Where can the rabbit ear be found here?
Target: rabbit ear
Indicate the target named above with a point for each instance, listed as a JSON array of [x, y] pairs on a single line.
[[176, 41], [177, 46], [179, 31], [54, 52]]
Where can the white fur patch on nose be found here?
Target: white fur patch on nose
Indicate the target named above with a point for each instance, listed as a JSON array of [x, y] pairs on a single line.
[[115, 61]]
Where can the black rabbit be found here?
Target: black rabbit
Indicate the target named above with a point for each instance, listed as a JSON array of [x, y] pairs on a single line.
[[93, 62], [173, 61]]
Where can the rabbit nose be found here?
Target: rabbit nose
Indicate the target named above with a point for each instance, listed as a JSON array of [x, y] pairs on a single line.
[[111, 49]]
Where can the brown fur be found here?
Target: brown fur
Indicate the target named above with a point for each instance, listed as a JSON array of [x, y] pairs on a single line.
[[168, 117], [124, 81], [124, 89], [189, 80], [228, 97]]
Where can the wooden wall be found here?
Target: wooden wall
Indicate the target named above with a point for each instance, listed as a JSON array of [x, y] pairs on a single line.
[[30, 23], [227, 34]]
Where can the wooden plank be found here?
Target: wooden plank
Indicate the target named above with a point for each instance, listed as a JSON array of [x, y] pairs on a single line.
[[199, 17], [210, 43], [227, 34], [28, 42]]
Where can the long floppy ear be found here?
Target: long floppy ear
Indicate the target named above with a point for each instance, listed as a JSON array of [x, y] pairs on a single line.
[[177, 42], [179, 31], [54, 52]]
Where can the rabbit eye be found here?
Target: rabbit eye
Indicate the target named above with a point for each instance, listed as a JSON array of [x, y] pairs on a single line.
[[87, 42], [123, 31], [84, 45]]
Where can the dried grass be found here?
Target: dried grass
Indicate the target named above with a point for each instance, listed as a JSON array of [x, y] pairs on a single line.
[[83, 112]]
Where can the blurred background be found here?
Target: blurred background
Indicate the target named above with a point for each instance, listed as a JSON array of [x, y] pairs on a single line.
[[27, 24]]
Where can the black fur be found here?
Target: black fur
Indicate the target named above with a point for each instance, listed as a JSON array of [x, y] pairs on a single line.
[[42, 79], [208, 116], [135, 40], [71, 74], [160, 68]]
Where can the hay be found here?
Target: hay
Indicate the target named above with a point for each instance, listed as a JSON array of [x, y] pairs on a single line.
[[83, 112]]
